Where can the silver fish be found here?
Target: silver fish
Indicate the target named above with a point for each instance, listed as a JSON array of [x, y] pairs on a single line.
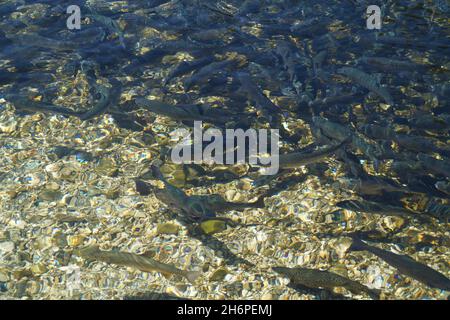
[[367, 81]]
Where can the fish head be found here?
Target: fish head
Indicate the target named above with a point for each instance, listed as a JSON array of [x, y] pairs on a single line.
[[283, 271], [198, 208]]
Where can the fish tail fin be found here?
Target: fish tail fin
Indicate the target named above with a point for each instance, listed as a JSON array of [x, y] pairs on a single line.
[[143, 188], [156, 172], [374, 294], [346, 141], [191, 276], [259, 203], [357, 244]]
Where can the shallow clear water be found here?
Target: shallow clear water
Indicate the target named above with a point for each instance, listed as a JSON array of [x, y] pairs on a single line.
[[85, 113]]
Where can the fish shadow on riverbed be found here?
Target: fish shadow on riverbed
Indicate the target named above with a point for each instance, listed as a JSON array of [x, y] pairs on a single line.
[[154, 296], [321, 294]]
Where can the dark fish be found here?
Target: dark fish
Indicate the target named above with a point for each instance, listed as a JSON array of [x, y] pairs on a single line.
[[87, 36], [184, 112], [22, 103], [312, 278], [403, 168], [378, 132], [392, 65], [438, 209], [371, 186], [290, 62], [36, 40], [188, 66], [410, 142], [298, 159], [140, 262], [406, 265], [107, 98], [153, 296], [10, 7], [377, 208], [443, 186], [441, 167], [311, 28], [367, 81], [205, 73], [59, 152], [335, 131], [254, 93], [211, 34], [412, 43], [111, 25], [249, 6], [430, 122], [191, 211], [270, 30], [151, 57], [217, 203]]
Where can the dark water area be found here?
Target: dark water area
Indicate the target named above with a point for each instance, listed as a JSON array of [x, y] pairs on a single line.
[[87, 117]]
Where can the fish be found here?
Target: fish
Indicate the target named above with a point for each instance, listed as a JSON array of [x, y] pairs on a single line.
[[248, 6], [335, 130], [151, 57], [185, 112], [443, 186], [26, 78], [392, 65], [412, 43], [204, 206], [416, 143], [311, 28], [430, 122], [58, 152], [191, 212], [367, 81], [406, 265], [440, 167], [405, 167], [332, 130], [203, 75], [217, 203], [191, 209], [312, 278], [102, 102], [290, 62], [88, 36], [438, 209], [111, 25], [327, 131], [153, 295], [140, 262], [209, 35], [377, 132], [298, 159], [407, 141], [36, 40], [383, 209], [371, 186], [9, 7], [21, 102], [188, 66], [254, 94]]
